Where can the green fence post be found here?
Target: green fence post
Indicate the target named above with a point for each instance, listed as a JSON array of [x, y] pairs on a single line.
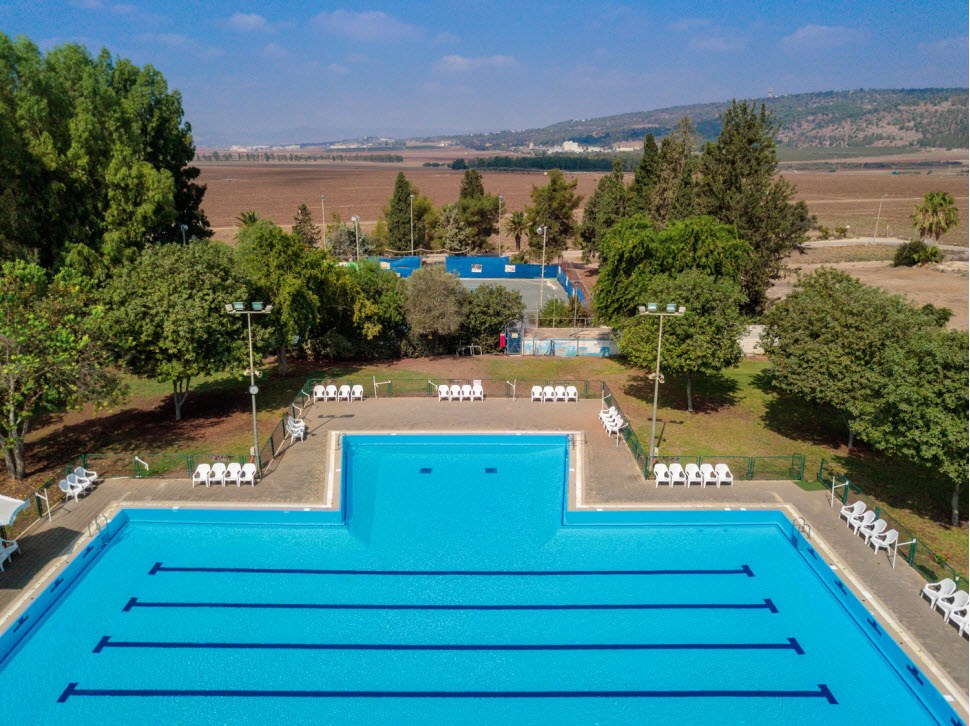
[[190, 460], [912, 554], [821, 471], [390, 389], [585, 389], [801, 470], [750, 474], [845, 491]]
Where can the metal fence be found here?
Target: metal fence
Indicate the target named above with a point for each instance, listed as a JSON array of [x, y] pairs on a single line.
[[428, 387], [747, 468], [928, 563]]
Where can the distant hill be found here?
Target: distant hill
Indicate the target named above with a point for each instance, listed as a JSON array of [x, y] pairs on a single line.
[[907, 118]]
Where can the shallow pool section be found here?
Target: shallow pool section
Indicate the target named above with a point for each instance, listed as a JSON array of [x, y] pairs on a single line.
[[452, 589]]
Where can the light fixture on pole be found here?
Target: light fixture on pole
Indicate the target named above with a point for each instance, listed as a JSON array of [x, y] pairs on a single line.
[[255, 308], [670, 310], [500, 200], [875, 232], [323, 212], [356, 220], [412, 225], [184, 228], [543, 230]]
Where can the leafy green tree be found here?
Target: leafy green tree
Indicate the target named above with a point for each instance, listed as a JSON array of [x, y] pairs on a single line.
[[457, 238], [916, 404], [247, 218], [935, 215], [282, 271], [553, 206], [516, 225], [472, 186], [345, 240], [478, 211], [556, 313], [165, 314], [397, 214], [915, 253], [645, 177], [704, 341], [435, 306], [426, 222], [739, 185], [634, 251], [607, 205], [672, 194], [95, 158], [490, 308], [826, 340], [303, 227], [51, 354]]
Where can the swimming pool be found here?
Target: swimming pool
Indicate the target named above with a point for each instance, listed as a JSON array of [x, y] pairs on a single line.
[[453, 587]]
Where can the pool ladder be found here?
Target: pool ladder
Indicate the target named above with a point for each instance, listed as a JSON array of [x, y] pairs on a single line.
[[95, 527], [801, 526]]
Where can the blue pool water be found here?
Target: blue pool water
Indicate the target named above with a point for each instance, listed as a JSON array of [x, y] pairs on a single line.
[[452, 588]]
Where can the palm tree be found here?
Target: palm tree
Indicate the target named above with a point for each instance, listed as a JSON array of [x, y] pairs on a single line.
[[248, 218], [935, 215], [515, 226]]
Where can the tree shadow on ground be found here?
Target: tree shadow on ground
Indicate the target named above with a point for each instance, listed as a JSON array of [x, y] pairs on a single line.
[[799, 420], [710, 393]]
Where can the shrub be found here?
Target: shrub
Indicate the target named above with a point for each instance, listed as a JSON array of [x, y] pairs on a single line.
[[824, 233], [518, 258], [841, 232], [915, 253]]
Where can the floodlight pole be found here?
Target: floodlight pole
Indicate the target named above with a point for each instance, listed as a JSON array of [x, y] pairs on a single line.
[[655, 310], [184, 228], [500, 200], [542, 272], [875, 232], [323, 211], [239, 309], [412, 225], [356, 220]]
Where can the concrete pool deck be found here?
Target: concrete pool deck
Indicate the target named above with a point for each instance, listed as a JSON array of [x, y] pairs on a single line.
[[610, 480]]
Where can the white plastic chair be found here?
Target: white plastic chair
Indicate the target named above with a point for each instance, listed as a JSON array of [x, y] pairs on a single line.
[[455, 392], [608, 413], [537, 393], [959, 617], [75, 480], [319, 393], [693, 473], [201, 475], [218, 474], [233, 471], [343, 393], [661, 474], [295, 428], [71, 491], [724, 475], [444, 393], [331, 392], [609, 421], [572, 394], [88, 474], [248, 475], [852, 510], [953, 603], [466, 392], [615, 426], [677, 475], [867, 518], [477, 391], [883, 541], [874, 529], [933, 591], [7, 548], [560, 393], [357, 393], [548, 393], [708, 475]]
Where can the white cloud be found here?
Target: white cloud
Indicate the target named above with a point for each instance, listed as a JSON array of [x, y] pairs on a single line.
[[368, 26], [462, 64], [274, 51], [248, 22], [810, 37], [717, 43]]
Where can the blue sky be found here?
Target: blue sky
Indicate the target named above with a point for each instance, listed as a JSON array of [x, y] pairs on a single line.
[[274, 72]]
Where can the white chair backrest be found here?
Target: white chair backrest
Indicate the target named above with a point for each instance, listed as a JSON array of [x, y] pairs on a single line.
[[234, 467], [443, 388], [331, 390], [721, 468], [889, 537], [692, 468], [477, 382], [659, 468], [218, 468], [571, 389], [537, 389], [357, 388], [202, 469], [707, 468], [960, 600], [466, 388], [318, 390], [548, 389], [249, 469], [561, 390], [455, 389], [65, 486]]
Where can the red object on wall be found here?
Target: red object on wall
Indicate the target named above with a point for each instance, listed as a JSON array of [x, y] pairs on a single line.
[[501, 340]]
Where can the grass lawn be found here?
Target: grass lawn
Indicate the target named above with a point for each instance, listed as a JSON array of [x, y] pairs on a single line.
[[736, 414]]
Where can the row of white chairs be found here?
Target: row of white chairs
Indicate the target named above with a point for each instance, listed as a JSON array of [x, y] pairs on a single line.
[[220, 473], [953, 603], [870, 527], [78, 482], [613, 422], [332, 393], [555, 393], [704, 474], [466, 392], [7, 548]]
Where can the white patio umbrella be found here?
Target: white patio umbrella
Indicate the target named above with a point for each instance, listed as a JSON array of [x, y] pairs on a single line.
[[10, 508]]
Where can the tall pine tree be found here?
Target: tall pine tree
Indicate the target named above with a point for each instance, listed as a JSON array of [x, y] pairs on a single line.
[[607, 205], [672, 196], [645, 177], [303, 227], [397, 214], [477, 210]]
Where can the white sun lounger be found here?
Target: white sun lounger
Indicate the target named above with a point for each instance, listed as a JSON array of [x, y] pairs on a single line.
[[933, 591], [693, 473], [661, 474], [7, 548], [852, 510], [708, 475], [201, 475], [444, 393], [677, 474], [724, 475]]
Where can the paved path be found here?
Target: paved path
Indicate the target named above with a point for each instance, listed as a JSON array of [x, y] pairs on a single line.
[[612, 480]]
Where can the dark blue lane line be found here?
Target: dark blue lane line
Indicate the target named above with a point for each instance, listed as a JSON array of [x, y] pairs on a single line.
[[72, 690], [159, 567], [134, 602], [107, 642]]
